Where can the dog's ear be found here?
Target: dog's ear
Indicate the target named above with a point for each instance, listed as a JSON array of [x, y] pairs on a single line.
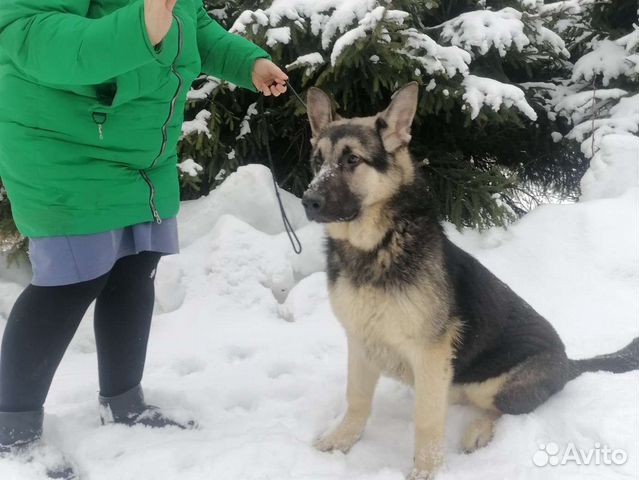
[[319, 109], [395, 122]]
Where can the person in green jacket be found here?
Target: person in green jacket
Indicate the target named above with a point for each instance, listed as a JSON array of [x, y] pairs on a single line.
[[93, 93]]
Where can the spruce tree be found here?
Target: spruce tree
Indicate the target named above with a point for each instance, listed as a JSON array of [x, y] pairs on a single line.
[[485, 147], [515, 94]]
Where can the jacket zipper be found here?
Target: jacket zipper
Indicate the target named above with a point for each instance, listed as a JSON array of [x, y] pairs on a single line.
[[175, 96], [100, 119], [156, 215], [154, 211]]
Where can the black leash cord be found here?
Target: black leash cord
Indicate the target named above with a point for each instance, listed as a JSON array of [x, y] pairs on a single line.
[[297, 95], [290, 231]]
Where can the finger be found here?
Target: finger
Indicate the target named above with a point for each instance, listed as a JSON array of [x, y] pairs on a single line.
[[276, 73], [279, 75], [281, 87], [275, 91], [266, 91]]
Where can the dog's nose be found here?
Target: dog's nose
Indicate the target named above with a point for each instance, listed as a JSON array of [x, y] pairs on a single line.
[[313, 203]]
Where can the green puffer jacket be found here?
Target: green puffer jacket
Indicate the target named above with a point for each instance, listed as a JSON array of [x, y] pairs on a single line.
[[91, 112]]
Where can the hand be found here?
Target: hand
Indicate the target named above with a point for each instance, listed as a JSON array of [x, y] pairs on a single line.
[[268, 78], [158, 17]]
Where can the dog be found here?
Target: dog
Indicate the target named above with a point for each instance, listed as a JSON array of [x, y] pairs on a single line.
[[415, 306]]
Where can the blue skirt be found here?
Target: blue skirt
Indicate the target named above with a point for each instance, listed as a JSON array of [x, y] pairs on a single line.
[[64, 260]]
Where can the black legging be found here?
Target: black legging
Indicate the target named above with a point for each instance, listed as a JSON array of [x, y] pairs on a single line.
[[44, 320]]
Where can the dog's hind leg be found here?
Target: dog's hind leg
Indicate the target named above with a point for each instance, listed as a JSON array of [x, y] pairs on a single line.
[[515, 392], [480, 431], [481, 395], [532, 382], [362, 379]]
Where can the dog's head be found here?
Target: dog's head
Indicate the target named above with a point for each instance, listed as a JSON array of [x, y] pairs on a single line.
[[358, 162]]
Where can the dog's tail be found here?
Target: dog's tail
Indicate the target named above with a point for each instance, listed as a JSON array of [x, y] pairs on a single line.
[[624, 360]]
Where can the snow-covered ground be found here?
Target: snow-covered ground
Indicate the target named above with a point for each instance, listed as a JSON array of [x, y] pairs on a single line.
[[245, 341]]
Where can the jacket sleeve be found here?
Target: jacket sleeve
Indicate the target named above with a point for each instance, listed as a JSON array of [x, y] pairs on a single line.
[[224, 54], [53, 41]]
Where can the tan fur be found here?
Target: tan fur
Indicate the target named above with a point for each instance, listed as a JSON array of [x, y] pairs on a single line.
[[386, 326], [366, 231], [362, 379], [433, 372], [480, 395], [479, 432], [375, 187], [398, 335]]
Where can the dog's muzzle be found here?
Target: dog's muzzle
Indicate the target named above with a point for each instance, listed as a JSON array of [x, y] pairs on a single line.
[[313, 204], [329, 209]]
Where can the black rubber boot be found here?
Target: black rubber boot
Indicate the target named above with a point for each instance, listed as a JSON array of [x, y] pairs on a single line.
[[20, 440], [130, 409]]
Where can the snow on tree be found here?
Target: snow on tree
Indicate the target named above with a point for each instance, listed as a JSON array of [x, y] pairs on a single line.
[[484, 141], [599, 96]]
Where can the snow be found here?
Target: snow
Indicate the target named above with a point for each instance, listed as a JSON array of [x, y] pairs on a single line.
[[200, 124], [631, 41], [577, 106], [485, 29], [244, 340], [278, 35], [623, 118], [532, 4], [614, 169], [547, 37], [245, 125], [607, 59], [482, 91], [481, 30], [205, 90], [367, 24], [327, 18], [342, 24], [614, 110], [311, 62], [190, 167], [435, 58]]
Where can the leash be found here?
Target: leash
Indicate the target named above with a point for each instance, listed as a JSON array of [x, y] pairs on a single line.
[[297, 95], [290, 231]]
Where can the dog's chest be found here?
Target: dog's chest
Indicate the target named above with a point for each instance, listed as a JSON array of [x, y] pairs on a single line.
[[388, 326]]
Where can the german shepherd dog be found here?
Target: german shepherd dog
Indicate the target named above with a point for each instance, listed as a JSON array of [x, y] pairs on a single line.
[[415, 306]]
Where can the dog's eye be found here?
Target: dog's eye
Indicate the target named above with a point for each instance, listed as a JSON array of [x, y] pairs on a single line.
[[353, 160]]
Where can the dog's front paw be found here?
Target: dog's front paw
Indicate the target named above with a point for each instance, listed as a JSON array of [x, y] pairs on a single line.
[[337, 440], [417, 474]]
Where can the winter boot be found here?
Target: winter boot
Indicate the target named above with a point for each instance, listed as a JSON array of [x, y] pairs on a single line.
[[130, 409], [20, 440]]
